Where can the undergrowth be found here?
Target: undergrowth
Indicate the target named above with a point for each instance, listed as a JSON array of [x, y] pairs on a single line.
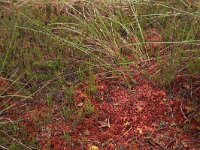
[[48, 48]]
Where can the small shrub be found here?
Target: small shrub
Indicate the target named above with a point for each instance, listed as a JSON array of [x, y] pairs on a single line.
[[49, 101], [89, 108], [194, 67], [66, 112], [69, 91], [92, 84], [66, 137], [13, 147]]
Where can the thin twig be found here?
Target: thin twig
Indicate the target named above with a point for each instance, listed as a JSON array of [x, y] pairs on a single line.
[[182, 111], [3, 147], [17, 141]]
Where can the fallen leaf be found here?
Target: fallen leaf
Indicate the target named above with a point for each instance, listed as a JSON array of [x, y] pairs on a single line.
[[94, 148], [104, 124], [198, 128], [186, 86], [80, 104], [139, 108], [164, 99], [172, 124], [189, 109], [140, 131], [86, 132], [126, 123], [134, 146]]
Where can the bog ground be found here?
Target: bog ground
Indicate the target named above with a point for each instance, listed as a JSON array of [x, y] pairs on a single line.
[[89, 75]]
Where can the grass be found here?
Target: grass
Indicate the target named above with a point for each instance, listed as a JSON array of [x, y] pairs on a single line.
[[44, 45]]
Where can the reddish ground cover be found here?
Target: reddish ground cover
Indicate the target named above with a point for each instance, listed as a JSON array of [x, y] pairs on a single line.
[[139, 118]]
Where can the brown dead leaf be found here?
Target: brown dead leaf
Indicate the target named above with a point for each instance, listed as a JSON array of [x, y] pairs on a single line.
[[189, 109], [186, 86], [198, 128], [80, 104], [140, 131], [134, 146], [94, 148], [139, 108], [104, 124], [126, 123]]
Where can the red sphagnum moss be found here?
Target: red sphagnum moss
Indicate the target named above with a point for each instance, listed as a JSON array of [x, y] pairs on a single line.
[[139, 118]]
